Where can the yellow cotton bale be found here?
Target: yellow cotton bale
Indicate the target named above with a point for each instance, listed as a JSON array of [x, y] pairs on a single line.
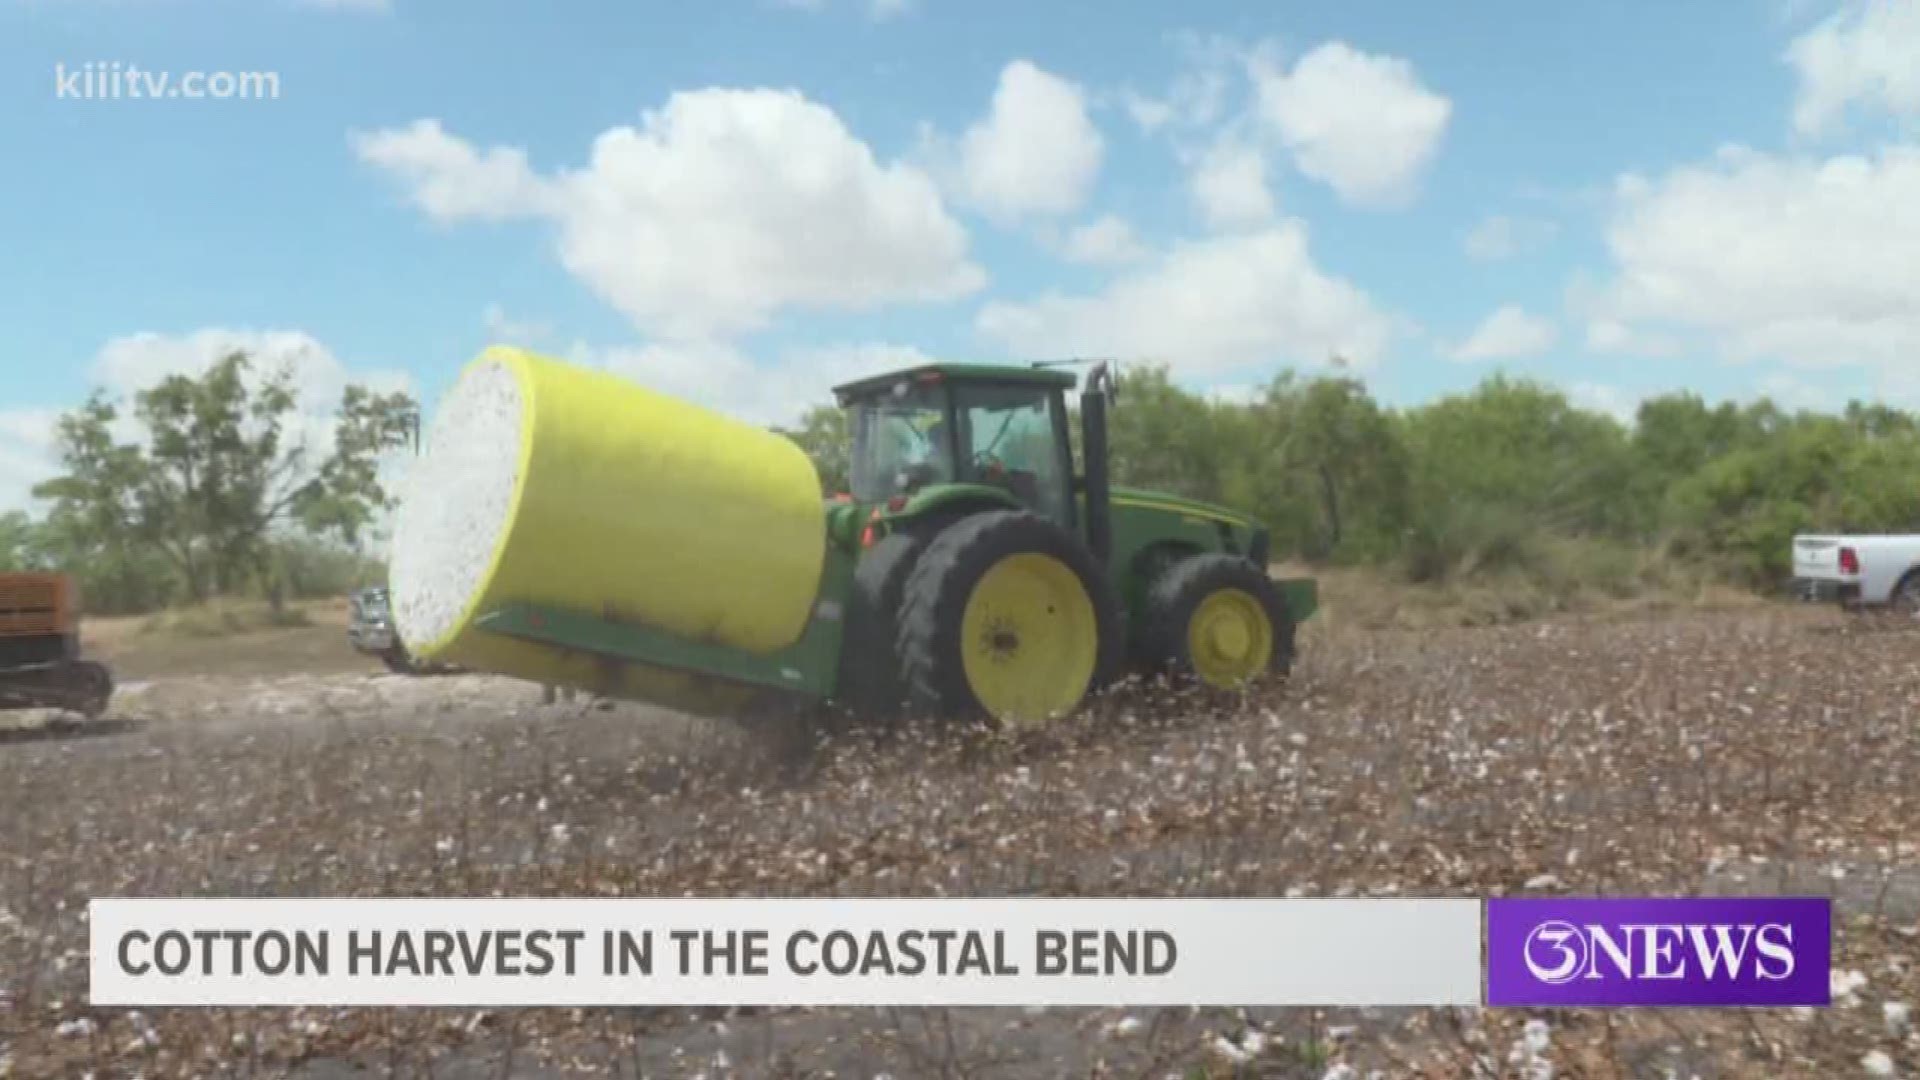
[[551, 483]]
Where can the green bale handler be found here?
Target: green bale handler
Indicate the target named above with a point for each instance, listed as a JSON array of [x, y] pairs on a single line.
[[975, 569]]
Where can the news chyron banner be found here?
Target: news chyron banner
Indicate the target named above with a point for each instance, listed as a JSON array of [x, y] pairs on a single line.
[[1548, 952], [562, 952]]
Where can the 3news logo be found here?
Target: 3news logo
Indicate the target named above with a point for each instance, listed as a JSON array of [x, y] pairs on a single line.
[[1701, 951]]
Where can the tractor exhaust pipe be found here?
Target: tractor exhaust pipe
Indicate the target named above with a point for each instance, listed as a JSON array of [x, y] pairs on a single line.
[[1095, 398]]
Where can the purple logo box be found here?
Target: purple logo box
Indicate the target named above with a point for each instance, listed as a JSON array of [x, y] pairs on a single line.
[[1698, 951]]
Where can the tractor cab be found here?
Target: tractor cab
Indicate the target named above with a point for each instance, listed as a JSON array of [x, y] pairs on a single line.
[[995, 427]]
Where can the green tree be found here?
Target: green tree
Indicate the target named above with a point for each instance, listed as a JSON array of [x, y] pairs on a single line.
[[1498, 468], [1325, 465], [19, 537], [822, 433], [225, 461], [1161, 436]]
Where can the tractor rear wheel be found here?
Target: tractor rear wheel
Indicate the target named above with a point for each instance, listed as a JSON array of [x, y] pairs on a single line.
[[1005, 617], [869, 671], [1218, 620]]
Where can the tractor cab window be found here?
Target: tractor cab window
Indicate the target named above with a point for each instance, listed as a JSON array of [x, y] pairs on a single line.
[[1013, 437], [900, 441]]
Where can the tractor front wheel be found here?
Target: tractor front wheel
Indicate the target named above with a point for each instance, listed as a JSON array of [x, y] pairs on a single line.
[[1217, 619], [1005, 617]]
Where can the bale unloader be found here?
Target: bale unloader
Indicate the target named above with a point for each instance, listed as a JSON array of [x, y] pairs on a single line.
[[40, 663], [572, 528]]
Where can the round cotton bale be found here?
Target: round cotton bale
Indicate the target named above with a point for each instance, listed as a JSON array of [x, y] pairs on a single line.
[[554, 484]]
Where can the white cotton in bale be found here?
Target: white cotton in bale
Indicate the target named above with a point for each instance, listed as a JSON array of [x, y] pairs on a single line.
[[458, 501], [567, 487]]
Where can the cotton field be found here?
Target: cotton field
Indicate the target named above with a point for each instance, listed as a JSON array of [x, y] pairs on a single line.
[[1761, 751]]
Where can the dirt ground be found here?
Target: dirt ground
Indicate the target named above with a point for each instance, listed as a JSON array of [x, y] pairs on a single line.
[[1764, 750]]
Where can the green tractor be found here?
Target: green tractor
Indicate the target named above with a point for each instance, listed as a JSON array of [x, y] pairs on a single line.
[[973, 571]]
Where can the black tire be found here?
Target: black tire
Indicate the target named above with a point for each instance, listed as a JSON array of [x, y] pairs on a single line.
[[1149, 566], [399, 662], [1905, 600], [1172, 600], [96, 688], [870, 682], [941, 583]]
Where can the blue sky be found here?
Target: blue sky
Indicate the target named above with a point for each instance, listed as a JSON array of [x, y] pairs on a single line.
[[1620, 198]]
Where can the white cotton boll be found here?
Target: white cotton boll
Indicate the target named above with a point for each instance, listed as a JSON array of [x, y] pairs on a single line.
[[1537, 1036], [1877, 1063], [1230, 1050], [1899, 1016], [458, 501]]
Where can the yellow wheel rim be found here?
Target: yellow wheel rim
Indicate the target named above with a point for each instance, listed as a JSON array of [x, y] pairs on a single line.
[[1028, 638], [1229, 638]]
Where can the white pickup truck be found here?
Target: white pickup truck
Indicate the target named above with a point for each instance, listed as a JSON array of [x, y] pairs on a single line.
[[1859, 571]]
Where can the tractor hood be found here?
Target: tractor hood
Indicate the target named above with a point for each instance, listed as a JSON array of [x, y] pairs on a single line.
[[1141, 499]]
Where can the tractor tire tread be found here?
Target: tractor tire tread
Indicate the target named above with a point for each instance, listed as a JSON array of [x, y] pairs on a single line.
[[941, 583], [870, 683], [1170, 602]]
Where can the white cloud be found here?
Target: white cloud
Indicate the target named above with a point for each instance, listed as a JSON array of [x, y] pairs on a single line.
[[1149, 113], [1816, 262], [502, 328], [126, 365], [721, 209], [29, 427], [1206, 306], [1509, 333], [1502, 237], [26, 454], [1229, 185], [1613, 336], [1790, 392], [1622, 405], [723, 378], [1197, 96], [1035, 153], [1868, 53], [452, 181], [1105, 241], [1364, 125]]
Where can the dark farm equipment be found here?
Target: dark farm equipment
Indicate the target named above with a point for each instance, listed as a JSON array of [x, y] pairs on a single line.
[[40, 664]]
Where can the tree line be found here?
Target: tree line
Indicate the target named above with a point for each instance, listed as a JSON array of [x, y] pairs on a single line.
[[1509, 477], [218, 484]]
